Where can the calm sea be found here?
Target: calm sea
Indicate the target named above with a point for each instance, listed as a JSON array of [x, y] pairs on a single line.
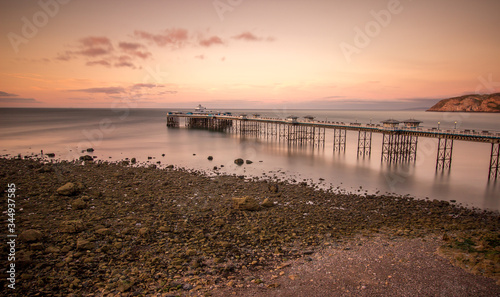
[[142, 133]]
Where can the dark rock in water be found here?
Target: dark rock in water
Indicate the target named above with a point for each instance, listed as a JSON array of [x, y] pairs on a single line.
[[90, 150], [149, 158], [249, 161], [210, 158], [221, 165], [50, 155], [31, 235], [133, 160], [163, 155], [215, 168], [170, 166], [86, 158], [239, 161]]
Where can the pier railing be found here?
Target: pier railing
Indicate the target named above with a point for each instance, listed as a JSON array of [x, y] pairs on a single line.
[[399, 144]]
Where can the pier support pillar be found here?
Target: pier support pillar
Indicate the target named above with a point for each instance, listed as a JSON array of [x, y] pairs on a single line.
[[364, 143], [494, 172], [397, 147], [172, 122], [444, 153], [339, 136]]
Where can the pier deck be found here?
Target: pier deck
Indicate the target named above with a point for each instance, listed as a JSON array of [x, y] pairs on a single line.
[[399, 143]]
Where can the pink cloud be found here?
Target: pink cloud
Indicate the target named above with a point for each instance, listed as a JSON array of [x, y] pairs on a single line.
[[248, 36], [135, 49], [171, 37], [211, 41], [99, 62]]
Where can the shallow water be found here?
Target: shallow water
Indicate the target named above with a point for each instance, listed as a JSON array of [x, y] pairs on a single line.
[[139, 133]]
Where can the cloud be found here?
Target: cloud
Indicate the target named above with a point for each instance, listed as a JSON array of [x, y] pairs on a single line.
[[211, 41], [5, 94], [19, 100], [106, 90], [167, 92], [99, 62], [171, 37], [99, 51], [248, 36], [135, 49], [149, 86], [95, 46]]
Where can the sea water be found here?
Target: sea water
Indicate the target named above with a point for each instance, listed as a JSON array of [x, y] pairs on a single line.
[[142, 134]]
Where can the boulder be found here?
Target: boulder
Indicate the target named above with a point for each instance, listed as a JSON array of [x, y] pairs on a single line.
[[70, 189], [86, 158], [267, 203], [249, 161], [246, 203], [210, 158], [78, 204], [239, 161], [31, 235]]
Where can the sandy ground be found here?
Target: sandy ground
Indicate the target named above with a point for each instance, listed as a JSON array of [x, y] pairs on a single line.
[[375, 266]]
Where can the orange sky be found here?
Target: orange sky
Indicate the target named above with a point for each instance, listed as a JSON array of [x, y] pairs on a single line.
[[246, 53]]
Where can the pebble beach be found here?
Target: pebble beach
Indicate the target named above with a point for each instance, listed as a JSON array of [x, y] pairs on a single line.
[[94, 228]]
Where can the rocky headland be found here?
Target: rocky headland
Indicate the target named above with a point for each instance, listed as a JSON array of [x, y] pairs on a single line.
[[92, 228], [469, 103]]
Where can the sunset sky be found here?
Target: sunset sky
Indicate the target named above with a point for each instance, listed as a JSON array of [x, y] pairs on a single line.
[[358, 54]]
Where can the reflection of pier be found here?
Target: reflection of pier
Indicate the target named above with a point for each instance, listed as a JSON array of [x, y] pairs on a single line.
[[399, 144]]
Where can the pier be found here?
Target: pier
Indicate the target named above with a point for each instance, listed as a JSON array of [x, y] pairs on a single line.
[[399, 143]]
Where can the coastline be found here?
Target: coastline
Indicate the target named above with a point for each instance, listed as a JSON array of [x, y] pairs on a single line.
[[135, 230]]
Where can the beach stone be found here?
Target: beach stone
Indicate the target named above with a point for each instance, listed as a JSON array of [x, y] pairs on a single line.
[[246, 203], [124, 286], [52, 250], [38, 246], [103, 231], [144, 231], [267, 203], [69, 189], [133, 160], [249, 161], [90, 150], [86, 158], [210, 158], [273, 188], [51, 155], [78, 204], [72, 226], [31, 235], [239, 161], [83, 244]]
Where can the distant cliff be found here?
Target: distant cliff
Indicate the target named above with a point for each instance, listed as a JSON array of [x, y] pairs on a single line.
[[473, 103]]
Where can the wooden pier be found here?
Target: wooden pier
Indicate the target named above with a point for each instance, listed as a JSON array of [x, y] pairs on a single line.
[[399, 144]]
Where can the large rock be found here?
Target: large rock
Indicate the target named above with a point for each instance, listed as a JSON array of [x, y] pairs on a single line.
[[78, 204], [246, 203], [31, 235], [70, 189], [239, 161]]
